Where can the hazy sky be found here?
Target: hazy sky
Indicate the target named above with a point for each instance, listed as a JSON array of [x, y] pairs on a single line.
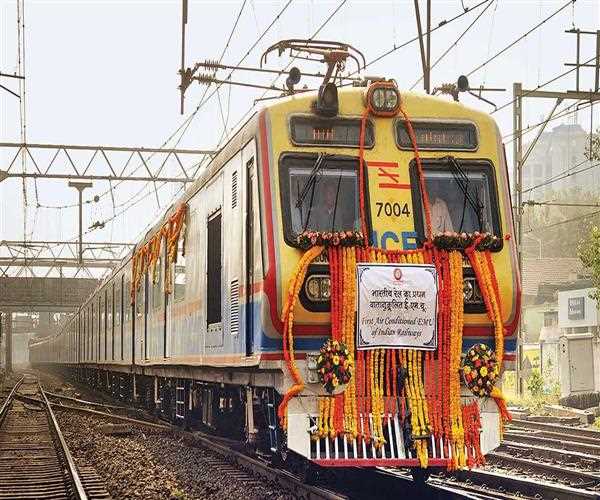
[[105, 72]]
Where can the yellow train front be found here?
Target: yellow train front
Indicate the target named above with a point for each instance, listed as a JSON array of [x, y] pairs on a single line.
[[310, 151]]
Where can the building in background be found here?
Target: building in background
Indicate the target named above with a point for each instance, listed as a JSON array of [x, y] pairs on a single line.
[[556, 152]]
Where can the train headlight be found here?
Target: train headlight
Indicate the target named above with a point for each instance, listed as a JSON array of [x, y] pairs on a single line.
[[318, 288], [383, 98]]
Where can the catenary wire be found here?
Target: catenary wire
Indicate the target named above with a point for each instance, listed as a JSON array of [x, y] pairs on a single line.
[[455, 43], [548, 82], [133, 203], [441, 24], [522, 37]]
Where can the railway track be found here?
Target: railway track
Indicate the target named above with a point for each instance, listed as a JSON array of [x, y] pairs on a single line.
[[519, 469], [35, 462], [541, 460]]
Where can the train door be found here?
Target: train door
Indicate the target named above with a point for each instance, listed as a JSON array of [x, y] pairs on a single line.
[[249, 285], [168, 299]]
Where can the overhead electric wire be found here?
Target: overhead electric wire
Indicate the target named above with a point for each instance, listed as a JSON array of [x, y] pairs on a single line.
[[490, 38], [567, 221], [455, 43], [560, 176], [552, 80], [566, 111], [522, 37], [441, 24], [534, 203]]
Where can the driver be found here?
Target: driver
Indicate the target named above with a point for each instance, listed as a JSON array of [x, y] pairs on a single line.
[[440, 215]]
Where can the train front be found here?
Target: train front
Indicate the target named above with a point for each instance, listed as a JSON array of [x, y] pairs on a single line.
[[390, 276]]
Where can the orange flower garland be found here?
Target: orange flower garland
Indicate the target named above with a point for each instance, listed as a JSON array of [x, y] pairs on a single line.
[[287, 317], [145, 258], [486, 278], [386, 381]]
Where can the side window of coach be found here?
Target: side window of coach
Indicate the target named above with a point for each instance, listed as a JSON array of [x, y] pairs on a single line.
[[179, 276]]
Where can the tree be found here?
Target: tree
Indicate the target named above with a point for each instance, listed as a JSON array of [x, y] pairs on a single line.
[[589, 253], [593, 153]]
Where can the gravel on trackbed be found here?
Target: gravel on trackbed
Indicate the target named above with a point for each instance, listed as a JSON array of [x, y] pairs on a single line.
[[154, 464]]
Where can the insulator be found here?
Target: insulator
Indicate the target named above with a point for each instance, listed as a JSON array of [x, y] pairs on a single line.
[[211, 64], [205, 78]]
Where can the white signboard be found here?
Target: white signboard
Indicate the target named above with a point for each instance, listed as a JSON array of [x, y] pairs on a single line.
[[397, 306], [577, 309]]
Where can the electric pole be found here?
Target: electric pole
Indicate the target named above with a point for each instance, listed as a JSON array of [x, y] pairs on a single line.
[[80, 186], [425, 50]]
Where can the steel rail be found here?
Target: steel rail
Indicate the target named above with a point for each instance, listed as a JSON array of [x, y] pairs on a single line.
[[436, 483], [578, 438], [8, 401], [562, 429], [550, 453], [560, 473], [79, 491], [278, 476], [525, 486], [557, 442]]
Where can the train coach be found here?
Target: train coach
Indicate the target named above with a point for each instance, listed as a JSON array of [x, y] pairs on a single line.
[[339, 283]]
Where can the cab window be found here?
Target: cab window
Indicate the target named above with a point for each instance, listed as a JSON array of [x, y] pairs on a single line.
[[318, 193], [462, 197]]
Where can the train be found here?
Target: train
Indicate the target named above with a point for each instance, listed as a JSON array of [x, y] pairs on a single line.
[[227, 315]]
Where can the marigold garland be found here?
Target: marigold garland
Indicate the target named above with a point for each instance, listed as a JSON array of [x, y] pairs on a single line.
[[424, 388], [145, 258], [309, 239], [486, 278], [287, 317]]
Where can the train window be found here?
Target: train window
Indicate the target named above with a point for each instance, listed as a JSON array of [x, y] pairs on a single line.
[[179, 280], [438, 136], [127, 301], [109, 317], [316, 131], [157, 285], [118, 301], [462, 196], [318, 193], [213, 269], [102, 325]]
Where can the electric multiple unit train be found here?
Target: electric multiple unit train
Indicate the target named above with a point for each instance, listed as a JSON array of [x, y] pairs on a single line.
[[200, 341]]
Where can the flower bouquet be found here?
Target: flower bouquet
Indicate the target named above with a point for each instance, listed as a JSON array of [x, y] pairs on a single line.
[[480, 370], [334, 366]]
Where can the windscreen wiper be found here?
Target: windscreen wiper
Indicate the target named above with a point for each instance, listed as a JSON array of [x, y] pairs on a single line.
[[312, 179], [462, 179]]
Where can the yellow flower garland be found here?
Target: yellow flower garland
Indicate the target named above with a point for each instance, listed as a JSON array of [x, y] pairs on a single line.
[[287, 317]]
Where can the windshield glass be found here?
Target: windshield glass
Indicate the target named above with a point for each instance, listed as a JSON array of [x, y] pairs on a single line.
[[459, 203], [319, 196]]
